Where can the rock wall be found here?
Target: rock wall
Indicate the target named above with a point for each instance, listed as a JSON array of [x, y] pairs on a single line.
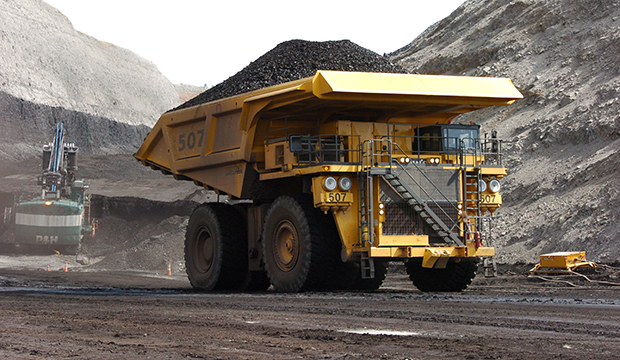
[[27, 126], [562, 141]]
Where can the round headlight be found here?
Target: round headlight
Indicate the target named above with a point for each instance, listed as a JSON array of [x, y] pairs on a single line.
[[345, 183], [482, 186], [330, 183], [494, 185]]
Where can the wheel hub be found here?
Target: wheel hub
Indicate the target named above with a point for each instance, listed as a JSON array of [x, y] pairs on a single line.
[[286, 246], [204, 250]]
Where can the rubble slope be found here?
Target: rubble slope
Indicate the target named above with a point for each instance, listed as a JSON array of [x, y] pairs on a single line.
[[561, 142], [49, 72], [46, 61]]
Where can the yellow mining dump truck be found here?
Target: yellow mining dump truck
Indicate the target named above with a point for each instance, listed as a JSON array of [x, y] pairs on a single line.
[[333, 176]]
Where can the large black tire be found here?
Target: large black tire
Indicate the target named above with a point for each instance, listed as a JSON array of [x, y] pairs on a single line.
[[349, 277], [456, 276], [256, 281], [297, 256], [216, 248], [374, 283]]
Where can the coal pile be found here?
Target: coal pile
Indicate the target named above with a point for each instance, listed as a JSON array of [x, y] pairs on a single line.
[[297, 59]]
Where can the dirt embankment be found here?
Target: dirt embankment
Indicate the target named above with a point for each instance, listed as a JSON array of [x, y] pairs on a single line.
[[562, 141], [107, 96]]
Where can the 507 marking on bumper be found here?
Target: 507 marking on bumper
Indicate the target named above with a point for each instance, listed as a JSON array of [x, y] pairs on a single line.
[[488, 199], [338, 197]]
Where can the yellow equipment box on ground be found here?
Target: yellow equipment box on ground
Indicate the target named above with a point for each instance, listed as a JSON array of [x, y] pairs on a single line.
[[562, 262]]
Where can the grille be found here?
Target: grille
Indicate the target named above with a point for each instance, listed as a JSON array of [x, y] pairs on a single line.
[[436, 182], [401, 219]]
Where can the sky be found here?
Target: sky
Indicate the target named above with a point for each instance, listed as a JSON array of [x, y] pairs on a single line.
[[203, 42]]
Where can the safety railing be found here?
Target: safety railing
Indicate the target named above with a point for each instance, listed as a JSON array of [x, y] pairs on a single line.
[[281, 128], [325, 149], [404, 163]]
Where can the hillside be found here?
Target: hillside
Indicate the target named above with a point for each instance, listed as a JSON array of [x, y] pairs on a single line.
[[561, 142], [50, 72]]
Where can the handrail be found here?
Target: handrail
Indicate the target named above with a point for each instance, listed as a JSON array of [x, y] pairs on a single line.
[[388, 151], [404, 166], [318, 149], [289, 130]]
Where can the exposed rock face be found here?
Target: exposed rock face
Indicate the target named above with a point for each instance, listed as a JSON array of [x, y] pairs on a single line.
[[47, 64], [562, 144]]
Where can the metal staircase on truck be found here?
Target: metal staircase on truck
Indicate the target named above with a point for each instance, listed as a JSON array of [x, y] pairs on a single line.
[[399, 175]]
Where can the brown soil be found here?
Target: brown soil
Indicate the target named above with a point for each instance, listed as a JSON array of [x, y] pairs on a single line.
[[120, 315]]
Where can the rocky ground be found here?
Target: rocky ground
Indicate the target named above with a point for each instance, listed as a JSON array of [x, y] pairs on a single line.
[[120, 315], [107, 96]]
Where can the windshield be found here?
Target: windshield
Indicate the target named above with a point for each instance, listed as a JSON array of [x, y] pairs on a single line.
[[466, 137]]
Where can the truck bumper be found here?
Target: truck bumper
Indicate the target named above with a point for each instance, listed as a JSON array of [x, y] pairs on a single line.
[[431, 256]]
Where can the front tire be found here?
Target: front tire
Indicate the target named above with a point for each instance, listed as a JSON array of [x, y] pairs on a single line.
[[297, 256], [349, 277], [215, 248], [456, 276]]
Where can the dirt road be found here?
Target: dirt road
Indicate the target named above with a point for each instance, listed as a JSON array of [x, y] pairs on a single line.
[[113, 315]]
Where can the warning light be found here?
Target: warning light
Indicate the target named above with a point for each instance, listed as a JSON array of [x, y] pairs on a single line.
[[325, 168], [48, 203]]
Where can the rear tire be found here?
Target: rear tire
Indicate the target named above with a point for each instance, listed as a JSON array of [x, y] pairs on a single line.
[[257, 281], [215, 248], [456, 276], [297, 256]]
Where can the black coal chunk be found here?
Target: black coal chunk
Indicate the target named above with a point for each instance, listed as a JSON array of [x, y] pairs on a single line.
[[293, 60]]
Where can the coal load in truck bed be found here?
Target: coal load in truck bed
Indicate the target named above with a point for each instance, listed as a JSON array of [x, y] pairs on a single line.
[[293, 60]]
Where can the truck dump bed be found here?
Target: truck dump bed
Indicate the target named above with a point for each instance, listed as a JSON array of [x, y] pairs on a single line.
[[221, 144]]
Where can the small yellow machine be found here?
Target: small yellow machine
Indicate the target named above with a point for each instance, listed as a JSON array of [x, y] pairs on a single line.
[[562, 262], [331, 177]]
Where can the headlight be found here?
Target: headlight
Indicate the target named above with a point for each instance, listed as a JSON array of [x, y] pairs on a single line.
[[494, 185], [345, 183], [330, 183], [482, 186]]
